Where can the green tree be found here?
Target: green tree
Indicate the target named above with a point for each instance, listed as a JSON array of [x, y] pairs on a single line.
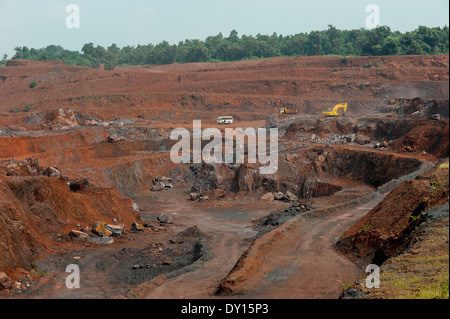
[[378, 41], [4, 60], [314, 44], [249, 46], [110, 60], [194, 51], [88, 49], [233, 37], [391, 46]]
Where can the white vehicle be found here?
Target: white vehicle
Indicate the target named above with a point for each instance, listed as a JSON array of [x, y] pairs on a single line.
[[224, 120]]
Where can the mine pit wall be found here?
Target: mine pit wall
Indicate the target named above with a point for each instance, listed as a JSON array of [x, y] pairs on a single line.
[[318, 167], [82, 139], [128, 165], [370, 167], [131, 165], [307, 172], [22, 146], [135, 177]]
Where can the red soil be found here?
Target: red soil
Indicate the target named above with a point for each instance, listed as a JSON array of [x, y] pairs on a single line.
[[245, 89], [34, 209]]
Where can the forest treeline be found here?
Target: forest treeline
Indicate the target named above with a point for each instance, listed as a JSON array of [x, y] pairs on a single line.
[[378, 41]]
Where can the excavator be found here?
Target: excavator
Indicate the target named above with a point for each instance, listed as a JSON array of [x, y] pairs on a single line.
[[334, 111]]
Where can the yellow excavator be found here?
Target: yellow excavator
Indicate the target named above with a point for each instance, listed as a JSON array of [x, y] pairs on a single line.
[[334, 111]]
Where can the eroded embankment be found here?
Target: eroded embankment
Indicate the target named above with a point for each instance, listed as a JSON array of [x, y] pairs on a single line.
[[379, 234], [128, 161], [34, 210], [420, 270], [306, 172]]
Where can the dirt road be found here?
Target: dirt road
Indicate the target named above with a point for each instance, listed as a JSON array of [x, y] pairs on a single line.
[[301, 263], [229, 227]]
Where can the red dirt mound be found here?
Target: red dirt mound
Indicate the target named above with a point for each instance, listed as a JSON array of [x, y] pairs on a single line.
[[34, 210], [429, 136]]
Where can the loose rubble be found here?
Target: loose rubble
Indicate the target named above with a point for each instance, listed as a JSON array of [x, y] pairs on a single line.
[[161, 183]]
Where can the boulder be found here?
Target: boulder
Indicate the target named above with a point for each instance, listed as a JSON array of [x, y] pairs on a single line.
[[5, 281], [279, 196], [268, 196], [101, 240], [158, 187], [116, 230], [161, 183], [101, 229], [114, 139], [193, 196], [436, 117], [137, 227], [290, 197], [168, 186], [79, 184], [76, 234], [362, 139], [52, 172], [349, 138], [165, 219]]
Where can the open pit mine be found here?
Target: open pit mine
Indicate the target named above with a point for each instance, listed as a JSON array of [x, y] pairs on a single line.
[[93, 206]]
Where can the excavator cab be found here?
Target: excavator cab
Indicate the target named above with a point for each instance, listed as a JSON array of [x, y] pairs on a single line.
[[334, 111]]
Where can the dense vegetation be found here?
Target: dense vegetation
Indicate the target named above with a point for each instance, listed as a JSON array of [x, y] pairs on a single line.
[[378, 41]]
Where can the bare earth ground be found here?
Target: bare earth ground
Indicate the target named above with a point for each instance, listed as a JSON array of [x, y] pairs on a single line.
[[305, 265], [113, 127], [302, 265]]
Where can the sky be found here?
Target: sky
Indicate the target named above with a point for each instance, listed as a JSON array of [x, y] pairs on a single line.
[[37, 24]]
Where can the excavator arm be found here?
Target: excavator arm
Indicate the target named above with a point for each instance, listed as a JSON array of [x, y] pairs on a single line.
[[334, 111]]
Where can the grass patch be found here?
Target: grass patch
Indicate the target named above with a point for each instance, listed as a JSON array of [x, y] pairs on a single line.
[[16, 110]]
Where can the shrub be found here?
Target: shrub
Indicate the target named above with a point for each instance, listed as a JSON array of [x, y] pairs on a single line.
[[33, 84], [362, 86]]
